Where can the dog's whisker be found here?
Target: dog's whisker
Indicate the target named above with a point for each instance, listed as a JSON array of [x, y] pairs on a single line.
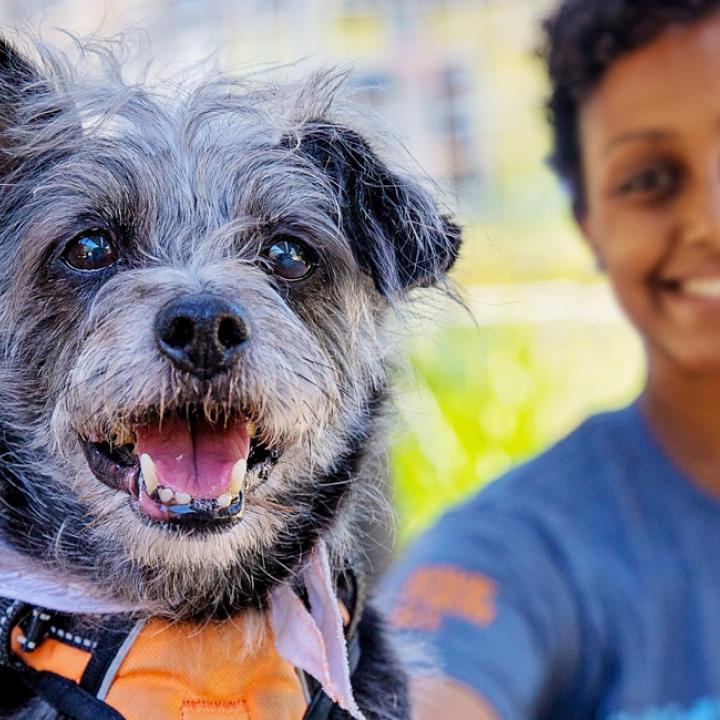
[[270, 505]]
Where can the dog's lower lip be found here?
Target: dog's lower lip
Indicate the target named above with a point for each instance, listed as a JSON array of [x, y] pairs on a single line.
[[197, 513], [115, 467]]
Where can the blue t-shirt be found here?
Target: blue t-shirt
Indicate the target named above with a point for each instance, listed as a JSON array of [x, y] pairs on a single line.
[[583, 584]]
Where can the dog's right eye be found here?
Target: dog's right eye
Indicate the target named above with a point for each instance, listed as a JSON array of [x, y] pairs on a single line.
[[92, 250], [290, 259]]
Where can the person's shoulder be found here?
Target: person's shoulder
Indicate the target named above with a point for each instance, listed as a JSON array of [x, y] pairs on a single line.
[[555, 498], [535, 523], [577, 477], [574, 465]]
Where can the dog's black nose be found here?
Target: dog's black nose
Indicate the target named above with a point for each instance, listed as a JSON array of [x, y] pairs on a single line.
[[201, 333]]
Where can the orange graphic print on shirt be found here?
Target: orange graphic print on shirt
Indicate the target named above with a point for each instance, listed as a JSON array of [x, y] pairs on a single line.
[[435, 591]]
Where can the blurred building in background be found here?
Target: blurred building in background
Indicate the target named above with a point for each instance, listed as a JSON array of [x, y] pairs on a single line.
[[458, 84]]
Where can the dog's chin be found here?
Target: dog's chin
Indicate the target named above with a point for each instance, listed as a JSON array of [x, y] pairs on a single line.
[[181, 471]]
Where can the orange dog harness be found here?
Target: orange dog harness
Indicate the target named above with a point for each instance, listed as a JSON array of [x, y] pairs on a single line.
[[157, 670], [170, 671]]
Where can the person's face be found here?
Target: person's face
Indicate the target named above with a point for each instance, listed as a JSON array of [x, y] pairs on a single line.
[[650, 139]]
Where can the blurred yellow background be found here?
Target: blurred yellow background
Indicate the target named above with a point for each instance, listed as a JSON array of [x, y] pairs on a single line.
[[458, 84]]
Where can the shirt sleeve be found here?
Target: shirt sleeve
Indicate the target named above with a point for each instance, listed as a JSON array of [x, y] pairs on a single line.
[[487, 591]]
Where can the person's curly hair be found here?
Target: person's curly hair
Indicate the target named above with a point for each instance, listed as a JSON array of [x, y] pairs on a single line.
[[582, 39]]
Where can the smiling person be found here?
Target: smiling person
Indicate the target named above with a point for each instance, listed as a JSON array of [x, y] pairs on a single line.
[[586, 583]]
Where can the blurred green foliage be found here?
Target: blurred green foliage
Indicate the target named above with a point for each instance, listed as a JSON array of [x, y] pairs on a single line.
[[475, 400]]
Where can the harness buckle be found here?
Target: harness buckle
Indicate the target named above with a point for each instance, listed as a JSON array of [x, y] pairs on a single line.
[[34, 629]]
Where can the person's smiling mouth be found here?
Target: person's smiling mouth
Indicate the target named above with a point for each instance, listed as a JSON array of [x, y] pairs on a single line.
[[704, 288]]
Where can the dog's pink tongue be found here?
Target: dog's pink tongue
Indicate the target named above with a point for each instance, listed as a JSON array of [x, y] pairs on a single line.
[[197, 460]]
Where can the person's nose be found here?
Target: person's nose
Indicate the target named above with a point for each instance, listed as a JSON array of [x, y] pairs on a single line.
[[701, 211]]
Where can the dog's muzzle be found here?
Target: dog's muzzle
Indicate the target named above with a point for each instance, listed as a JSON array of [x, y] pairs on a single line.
[[178, 463]]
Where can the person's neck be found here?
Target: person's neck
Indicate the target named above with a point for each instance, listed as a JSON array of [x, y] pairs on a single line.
[[684, 413]]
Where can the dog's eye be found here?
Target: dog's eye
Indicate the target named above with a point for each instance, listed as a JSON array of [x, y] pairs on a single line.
[[290, 259], [92, 250]]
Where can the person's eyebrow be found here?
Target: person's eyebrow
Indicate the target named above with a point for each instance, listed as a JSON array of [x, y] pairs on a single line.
[[632, 136]]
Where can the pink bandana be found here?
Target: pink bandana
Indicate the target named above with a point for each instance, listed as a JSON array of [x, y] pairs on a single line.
[[314, 641]]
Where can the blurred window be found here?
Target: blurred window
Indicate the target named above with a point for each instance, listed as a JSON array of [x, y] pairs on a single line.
[[373, 88], [454, 125], [361, 7]]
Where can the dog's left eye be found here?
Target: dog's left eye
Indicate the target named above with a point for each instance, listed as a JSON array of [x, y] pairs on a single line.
[[290, 259], [93, 250]]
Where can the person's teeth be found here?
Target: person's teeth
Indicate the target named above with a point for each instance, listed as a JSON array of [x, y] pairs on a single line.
[[165, 494], [224, 500], [237, 477], [251, 428], [182, 498], [703, 287], [147, 466]]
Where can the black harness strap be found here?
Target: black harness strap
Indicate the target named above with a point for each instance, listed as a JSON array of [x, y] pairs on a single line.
[[65, 695], [109, 641]]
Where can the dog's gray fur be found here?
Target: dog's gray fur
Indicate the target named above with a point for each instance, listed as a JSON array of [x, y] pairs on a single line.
[[192, 184]]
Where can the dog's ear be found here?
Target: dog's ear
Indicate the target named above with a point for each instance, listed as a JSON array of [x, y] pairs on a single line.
[[20, 83], [17, 76], [27, 103], [395, 229]]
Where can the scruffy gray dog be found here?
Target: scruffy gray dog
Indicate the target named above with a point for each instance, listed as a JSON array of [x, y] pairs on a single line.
[[197, 299]]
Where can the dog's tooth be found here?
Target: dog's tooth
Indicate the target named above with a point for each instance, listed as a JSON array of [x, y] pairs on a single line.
[[166, 495], [182, 498], [251, 428], [237, 477], [224, 500], [147, 466]]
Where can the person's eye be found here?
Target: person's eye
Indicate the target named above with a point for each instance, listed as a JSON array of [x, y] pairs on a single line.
[[290, 259], [90, 251], [653, 182]]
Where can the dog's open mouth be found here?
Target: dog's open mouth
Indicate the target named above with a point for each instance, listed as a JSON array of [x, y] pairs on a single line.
[[183, 469]]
